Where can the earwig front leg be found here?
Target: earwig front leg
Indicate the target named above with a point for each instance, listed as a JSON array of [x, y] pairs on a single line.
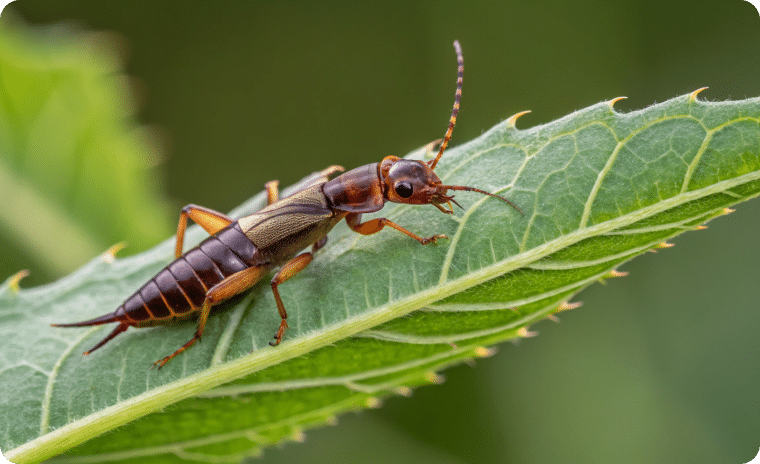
[[376, 225], [211, 221], [229, 287], [290, 269]]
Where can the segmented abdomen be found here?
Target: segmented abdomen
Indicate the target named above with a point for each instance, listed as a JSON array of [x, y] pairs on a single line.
[[181, 287]]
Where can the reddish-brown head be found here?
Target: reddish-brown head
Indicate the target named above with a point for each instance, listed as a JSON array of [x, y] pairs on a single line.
[[414, 182], [410, 181]]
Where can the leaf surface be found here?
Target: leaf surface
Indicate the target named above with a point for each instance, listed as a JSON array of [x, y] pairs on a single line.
[[375, 315]]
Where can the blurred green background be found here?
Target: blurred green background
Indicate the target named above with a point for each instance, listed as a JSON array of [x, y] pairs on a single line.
[[659, 366]]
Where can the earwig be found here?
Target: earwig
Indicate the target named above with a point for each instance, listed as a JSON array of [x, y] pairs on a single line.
[[239, 253]]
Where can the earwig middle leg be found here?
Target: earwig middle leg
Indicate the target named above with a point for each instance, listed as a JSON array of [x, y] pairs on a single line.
[[290, 269], [376, 225], [229, 287], [211, 221], [273, 193]]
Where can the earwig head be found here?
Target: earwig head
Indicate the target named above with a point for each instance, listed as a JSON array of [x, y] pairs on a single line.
[[409, 181], [414, 182]]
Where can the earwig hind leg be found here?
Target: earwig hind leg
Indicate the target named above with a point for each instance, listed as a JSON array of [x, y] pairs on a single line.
[[229, 287], [290, 269], [119, 329], [211, 221], [376, 225]]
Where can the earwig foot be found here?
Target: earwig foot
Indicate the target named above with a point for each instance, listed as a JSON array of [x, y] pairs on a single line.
[[161, 362], [280, 333], [433, 239]]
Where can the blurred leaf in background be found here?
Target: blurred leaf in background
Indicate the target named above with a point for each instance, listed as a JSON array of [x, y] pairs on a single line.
[[660, 366], [77, 171]]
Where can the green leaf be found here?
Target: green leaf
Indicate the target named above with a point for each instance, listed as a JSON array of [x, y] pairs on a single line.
[[73, 162], [372, 316]]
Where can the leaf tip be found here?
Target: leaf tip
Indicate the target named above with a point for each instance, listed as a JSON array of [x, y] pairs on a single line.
[[13, 281], [512, 120], [693, 95], [615, 100], [110, 254], [727, 211], [700, 227]]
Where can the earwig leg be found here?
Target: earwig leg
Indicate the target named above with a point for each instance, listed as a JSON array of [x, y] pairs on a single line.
[[231, 286], [119, 329], [322, 242], [273, 193], [321, 176], [334, 169], [211, 221], [376, 225], [291, 268]]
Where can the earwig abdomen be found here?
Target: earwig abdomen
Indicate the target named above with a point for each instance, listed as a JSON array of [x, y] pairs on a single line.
[[179, 289], [183, 284], [153, 301]]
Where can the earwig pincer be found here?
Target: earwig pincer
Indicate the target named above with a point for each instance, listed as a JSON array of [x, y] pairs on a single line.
[[241, 252]]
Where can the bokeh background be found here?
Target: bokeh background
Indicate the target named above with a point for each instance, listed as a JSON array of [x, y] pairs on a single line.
[[660, 366]]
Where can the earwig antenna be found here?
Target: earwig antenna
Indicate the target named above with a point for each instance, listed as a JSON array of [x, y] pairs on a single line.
[[473, 189], [455, 111]]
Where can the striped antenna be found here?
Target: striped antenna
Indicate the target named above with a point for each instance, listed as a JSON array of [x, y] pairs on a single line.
[[455, 111]]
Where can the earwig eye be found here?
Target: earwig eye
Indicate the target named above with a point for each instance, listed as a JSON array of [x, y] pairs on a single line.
[[404, 189]]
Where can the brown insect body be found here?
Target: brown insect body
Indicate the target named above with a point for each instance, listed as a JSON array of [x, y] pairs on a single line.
[[241, 252]]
